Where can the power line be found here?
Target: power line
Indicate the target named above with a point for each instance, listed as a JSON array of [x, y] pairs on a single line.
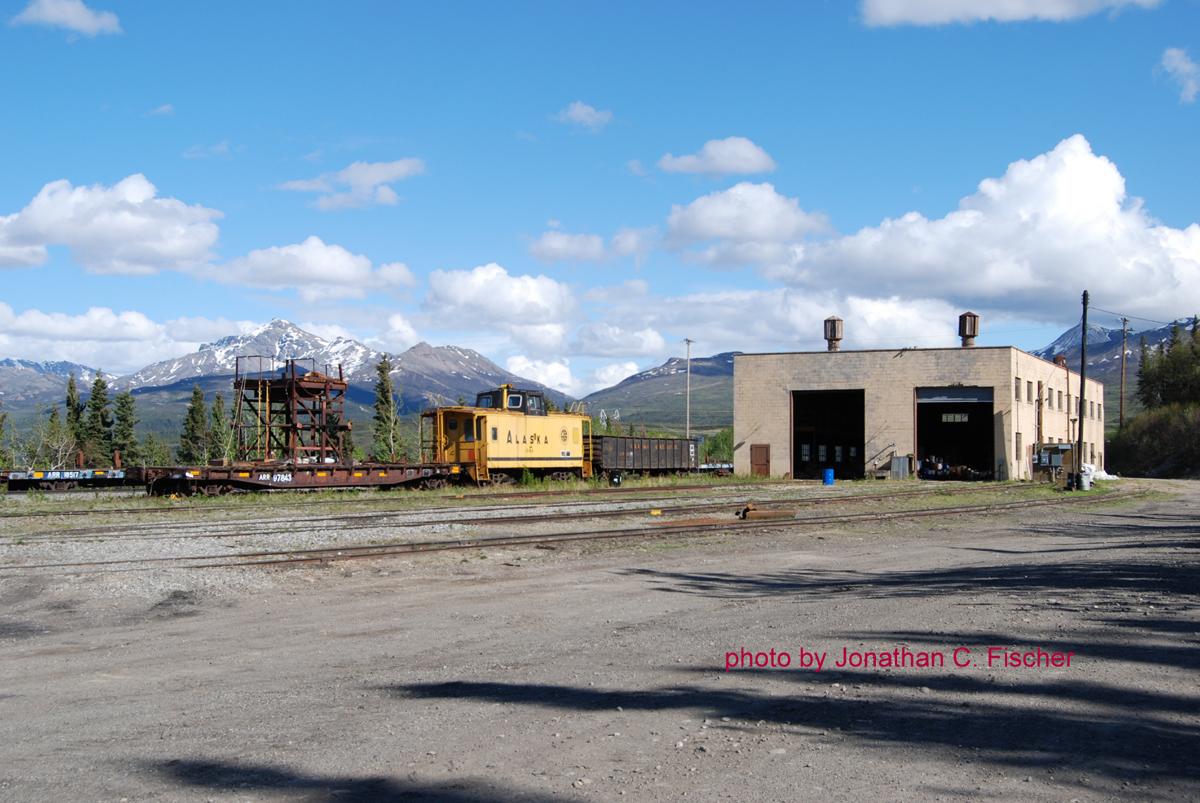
[[1135, 317]]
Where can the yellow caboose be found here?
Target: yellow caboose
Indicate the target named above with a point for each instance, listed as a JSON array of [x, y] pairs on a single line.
[[505, 433]]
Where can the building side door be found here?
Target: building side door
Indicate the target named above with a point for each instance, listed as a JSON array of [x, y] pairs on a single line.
[[760, 459]]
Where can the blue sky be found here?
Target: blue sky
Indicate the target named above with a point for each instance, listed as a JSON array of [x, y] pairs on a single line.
[[533, 180]]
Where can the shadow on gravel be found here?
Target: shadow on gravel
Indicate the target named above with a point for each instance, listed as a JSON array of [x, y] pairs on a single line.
[[1143, 577], [243, 779], [1121, 744]]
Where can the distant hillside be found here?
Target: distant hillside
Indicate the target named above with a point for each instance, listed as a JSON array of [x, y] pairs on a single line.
[[656, 397]]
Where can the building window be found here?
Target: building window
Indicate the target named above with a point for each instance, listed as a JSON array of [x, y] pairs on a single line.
[[805, 452], [821, 453], [1017, 389], [1018, 445], [1029, 392], [954, 418], [837, 454], [1100, 411], [1060, 402]]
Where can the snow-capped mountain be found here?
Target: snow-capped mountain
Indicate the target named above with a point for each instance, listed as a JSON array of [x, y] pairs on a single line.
[[30, 381], [279, 340]]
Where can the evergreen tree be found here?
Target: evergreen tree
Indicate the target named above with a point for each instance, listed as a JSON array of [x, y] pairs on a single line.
[[97, 425], [220, 431], [1170, 373], [5, 454], [193, 441], [124, 439], [385, 446], [74, 410], [154, 451], [50, 444]]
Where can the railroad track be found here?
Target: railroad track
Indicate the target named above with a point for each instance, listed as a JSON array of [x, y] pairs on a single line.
[[364, 499], [278, 558], [395, 519]]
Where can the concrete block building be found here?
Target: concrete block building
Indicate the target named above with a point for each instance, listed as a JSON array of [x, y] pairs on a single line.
[[798, 413]]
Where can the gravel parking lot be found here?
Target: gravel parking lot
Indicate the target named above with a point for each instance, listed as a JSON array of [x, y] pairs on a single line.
[[600, 670]]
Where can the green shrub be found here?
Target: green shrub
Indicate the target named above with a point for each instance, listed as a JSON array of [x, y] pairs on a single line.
[[1164, 442]]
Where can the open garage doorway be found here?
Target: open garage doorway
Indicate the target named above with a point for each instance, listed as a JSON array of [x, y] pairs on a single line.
[[828, 432], [955, 433]]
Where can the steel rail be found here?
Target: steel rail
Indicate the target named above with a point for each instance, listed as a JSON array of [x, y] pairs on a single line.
[[470, 494], [336, 553], [358, 521]]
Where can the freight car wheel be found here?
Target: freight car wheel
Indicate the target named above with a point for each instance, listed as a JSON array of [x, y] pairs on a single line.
[[503, 479]]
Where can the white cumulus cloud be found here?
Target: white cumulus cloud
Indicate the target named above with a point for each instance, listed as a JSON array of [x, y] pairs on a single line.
[[400, 334], [116, 342], [532, 310], [581, 114], [1184, 71], [70, 14], [636, 243], [359, 184], [608, 375], [126, 228], [317, 270], [747, 222], [560, 246], [165, 110], [941, 12], [732, 155], [1027, 242], [604, 339], [551, 373]]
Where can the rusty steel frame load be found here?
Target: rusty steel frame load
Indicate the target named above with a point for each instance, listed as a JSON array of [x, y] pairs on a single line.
[[293, 416]]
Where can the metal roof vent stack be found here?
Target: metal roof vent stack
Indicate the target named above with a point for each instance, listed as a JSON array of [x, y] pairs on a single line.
[[833, 332], [968, 328]]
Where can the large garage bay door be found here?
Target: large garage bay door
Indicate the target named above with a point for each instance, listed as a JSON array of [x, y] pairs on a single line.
[[955, 432]]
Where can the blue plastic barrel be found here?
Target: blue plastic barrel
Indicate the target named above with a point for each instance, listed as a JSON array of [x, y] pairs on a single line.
[[827, 479]]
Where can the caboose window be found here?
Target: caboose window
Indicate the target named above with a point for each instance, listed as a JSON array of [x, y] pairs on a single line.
[[452, 423], [534, 404], [514, 401], [495, 435], [484, 400]]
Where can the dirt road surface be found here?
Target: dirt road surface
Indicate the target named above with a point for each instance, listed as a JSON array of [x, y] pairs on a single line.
[[599, 672]]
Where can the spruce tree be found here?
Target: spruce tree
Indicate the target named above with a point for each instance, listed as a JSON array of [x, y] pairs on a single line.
[[5, 455], [74, 410], [220, 431], [97, 425], [193, 441], [57, 444], [124, 439], [385, 446], [154, 451]]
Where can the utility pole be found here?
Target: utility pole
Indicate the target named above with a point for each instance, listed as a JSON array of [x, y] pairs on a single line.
[[1082, 392], [688, 414], [1124, 332]]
